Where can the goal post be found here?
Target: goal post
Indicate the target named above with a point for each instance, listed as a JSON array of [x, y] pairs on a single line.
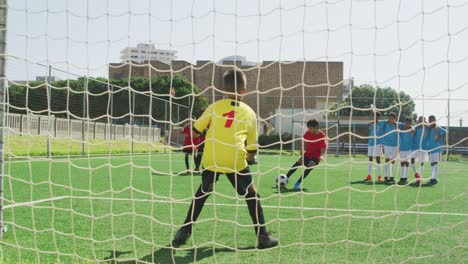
[[3, 80]]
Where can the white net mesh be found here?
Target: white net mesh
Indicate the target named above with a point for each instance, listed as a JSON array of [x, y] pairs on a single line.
[[97, 93]]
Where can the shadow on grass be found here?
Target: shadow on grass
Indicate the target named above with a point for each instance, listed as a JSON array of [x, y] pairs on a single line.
[[410, 184], [370, 182], [178, 174], [285, 190], [417, 185], [172, 255]]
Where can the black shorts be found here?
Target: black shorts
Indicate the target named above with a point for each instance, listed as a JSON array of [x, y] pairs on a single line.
[[307, 160], [188, 151], [201, 147], [241, 181]]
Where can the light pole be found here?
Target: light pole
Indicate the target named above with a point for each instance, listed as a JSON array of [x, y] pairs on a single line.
[[49, 105]]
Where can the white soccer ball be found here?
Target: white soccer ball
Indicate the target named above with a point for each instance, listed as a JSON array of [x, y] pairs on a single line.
[[281, 181]]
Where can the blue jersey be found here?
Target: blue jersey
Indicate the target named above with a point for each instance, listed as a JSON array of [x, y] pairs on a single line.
[[432, 144], [406, 140], [375, 133], [391, 134], [418, 139]]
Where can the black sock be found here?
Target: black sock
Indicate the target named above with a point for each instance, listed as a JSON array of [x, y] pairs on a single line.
[[306, 173], [293, 169], [187, 162], [195, 209], [198, 160], [256, 213]]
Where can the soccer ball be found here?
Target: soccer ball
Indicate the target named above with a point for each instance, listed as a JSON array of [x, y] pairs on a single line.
[[281, 181]]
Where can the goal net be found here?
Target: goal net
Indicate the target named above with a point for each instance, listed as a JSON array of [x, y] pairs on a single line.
[[99, 99]]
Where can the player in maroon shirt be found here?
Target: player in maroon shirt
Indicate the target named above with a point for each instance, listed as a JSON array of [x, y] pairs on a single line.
[[200, 144], [316, 145], [189, 146]]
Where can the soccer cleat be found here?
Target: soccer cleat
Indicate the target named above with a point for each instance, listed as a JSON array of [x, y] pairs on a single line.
[[386, 179], [181, 237], [380, 179], [391, 180], [266, 241], [418, 178], [368, 178], [432, 182], [402, 181], [297, 186]]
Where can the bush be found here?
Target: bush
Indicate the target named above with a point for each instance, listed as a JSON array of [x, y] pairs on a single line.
[[453, 157], [275, 141]]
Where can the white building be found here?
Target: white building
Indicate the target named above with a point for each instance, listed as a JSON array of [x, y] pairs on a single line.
[[145, 52], [47, 78], [237, 58]]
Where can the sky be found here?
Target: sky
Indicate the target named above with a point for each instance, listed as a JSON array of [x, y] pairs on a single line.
[[415, 46]]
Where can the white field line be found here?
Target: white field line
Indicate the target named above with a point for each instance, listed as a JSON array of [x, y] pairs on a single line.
[[139, 156], [86, 157], [30, 204]]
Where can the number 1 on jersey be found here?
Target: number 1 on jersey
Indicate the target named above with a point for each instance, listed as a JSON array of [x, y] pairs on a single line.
[[230, 116]]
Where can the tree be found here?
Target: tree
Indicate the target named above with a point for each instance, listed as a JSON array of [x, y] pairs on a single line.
[[386, 100], [111, 98]]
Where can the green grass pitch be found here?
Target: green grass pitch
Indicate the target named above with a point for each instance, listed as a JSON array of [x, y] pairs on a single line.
[[126, 209]]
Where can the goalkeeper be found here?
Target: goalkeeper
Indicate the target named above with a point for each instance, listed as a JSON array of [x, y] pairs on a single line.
[[230, 124]]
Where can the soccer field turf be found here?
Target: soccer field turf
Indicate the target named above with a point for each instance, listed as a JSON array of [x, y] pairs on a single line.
[[128, 209]]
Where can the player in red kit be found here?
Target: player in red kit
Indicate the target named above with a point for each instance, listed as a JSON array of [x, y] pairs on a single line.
[[200, 144], [316, 145], [189, 146]]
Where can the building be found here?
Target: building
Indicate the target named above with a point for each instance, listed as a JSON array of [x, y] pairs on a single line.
[[236, 58], [278, 91], [146, 52], [46, 78], [49, 79]]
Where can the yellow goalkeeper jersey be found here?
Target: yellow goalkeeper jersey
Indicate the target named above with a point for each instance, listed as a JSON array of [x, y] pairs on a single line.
[[232, 131]]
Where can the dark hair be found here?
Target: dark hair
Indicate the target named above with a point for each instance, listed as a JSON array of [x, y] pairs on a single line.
[[432, 117], [392, 114], [313, 123], [408, 119], [233, 81], [377, 113]]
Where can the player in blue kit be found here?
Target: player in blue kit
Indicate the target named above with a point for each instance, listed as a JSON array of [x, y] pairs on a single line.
[[406, 148], [374, 146], [418, 150], [390, 145], [434, 144]]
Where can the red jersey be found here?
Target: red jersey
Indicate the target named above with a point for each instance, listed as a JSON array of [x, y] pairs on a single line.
[[189, 140], [199, 140], [314, 144]]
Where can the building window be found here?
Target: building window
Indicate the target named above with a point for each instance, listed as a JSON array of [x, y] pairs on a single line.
[[134, 51]]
